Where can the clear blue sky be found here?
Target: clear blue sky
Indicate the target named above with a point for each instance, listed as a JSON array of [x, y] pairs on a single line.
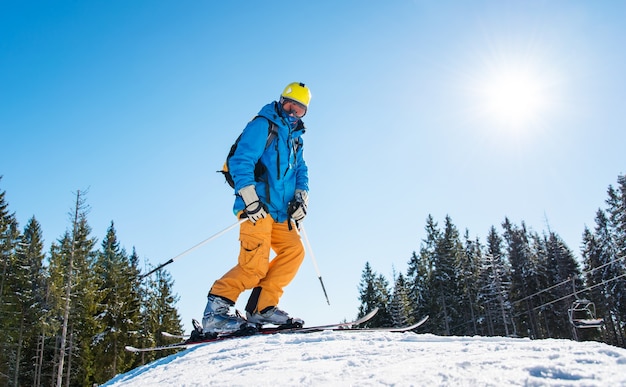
[[479, 110]]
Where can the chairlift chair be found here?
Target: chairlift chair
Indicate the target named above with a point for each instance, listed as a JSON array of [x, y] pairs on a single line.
[[582, 314]]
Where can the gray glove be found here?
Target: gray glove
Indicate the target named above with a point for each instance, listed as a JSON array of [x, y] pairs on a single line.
[[297, 207], [254, 210]]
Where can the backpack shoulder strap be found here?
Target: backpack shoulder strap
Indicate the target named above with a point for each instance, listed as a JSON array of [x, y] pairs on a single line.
[[272, 131]]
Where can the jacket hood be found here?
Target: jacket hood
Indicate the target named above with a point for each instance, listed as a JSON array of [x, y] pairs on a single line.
[[275, 113]]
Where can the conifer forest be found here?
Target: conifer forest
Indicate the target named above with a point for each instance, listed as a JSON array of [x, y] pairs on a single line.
[[516, 283], [65, 316], [67, 313]]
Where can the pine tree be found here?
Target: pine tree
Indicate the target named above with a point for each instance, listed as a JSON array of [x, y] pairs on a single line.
[[539, 279], [420, 271], [374, 293], [495, 287], [469, 274], [541, 268], [416, 287], [616, 209], [367, 293], [383, 318], [604, 260], [159, 311], [118, 307], [73, 287], [617, 214], [445, 281], [523, 279], [9, 305], [562, 270], [401, 308], [29, 289], [593, 258]]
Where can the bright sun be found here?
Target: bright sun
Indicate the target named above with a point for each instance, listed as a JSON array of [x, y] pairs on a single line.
[[513, 97]]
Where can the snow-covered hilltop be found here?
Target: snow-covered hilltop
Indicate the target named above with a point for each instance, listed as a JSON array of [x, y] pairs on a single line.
[[375, 358]]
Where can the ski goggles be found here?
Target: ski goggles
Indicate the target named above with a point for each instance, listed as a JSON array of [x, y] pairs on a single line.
[[294, 109]]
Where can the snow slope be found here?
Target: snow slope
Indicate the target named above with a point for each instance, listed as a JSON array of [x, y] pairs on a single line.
[[375, 358]]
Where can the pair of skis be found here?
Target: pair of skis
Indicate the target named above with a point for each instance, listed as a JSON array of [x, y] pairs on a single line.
[[351, 326]]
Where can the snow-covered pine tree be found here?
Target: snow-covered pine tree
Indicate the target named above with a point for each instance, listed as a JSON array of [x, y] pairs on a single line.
[[605, 263], [159, 312], [445, 281], [374, 293], [598, 252], [562, 268], [523, 279], [539, 278], [616, 203], [537, 264], [469, 272], [419, 272], [118, 308], [592, 259], [494, 288], [616, 209], [401, 308]]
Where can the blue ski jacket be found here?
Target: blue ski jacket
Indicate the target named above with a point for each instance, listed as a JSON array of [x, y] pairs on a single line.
[[283, 165]]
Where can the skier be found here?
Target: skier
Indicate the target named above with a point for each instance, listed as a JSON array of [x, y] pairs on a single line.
[[271, 186]]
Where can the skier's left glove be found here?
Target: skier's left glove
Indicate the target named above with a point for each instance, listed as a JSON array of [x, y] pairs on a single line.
[[298, 206]]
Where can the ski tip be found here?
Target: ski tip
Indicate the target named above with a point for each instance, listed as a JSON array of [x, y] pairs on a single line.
[[371, 314], [417, 324], [167, 334], [130, 348]]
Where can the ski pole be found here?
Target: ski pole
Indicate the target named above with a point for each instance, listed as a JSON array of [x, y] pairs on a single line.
[[317, 269], [196, 246]]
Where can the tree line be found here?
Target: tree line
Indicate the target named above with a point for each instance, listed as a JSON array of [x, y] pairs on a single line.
[[516, 283], [66, 315]]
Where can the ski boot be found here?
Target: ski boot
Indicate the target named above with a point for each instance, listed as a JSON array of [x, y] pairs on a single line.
[[218, 320], [275, 316]]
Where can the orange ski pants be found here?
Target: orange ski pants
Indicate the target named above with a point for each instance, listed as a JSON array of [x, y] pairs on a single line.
[[254, 269]]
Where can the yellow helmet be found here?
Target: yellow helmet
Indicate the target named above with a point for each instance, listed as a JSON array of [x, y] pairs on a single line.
[[298, 92]]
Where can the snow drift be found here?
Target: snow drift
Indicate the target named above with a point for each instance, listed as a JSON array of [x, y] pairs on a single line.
[[377, 358]]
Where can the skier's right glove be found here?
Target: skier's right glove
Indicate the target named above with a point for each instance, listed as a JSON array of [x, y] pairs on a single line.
[[254, 210]]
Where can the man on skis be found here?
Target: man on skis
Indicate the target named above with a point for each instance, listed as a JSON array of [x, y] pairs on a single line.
[[270, 179]]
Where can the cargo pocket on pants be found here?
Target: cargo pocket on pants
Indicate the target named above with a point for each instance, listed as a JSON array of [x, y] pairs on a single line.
[[252, 257]]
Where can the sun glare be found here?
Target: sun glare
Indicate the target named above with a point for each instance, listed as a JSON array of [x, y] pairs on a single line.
[[512, 92], [514, 98]]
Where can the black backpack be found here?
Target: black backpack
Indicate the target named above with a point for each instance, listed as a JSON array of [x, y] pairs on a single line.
[[259, 168]]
